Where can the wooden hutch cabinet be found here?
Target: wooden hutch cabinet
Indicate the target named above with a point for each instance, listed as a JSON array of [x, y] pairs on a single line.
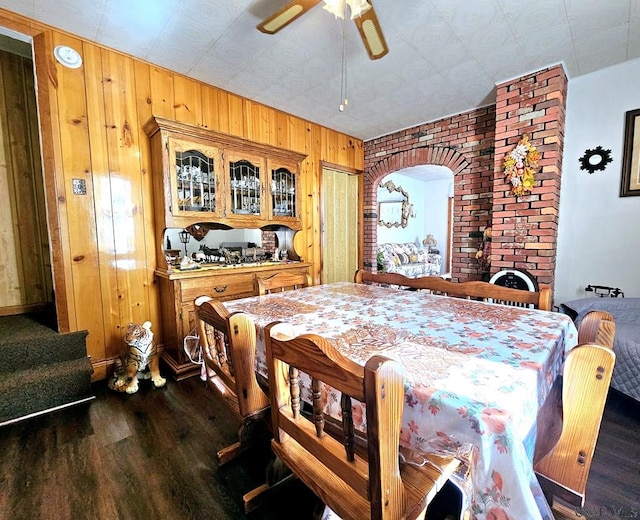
[[206, 178]]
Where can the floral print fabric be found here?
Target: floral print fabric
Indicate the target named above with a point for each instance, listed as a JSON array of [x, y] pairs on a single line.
[[475, 373], [409, 260]]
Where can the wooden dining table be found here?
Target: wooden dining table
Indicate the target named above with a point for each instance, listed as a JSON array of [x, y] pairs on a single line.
[[476, 375]]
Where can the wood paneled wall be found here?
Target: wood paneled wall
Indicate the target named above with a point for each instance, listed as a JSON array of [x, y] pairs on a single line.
[[104, 242]]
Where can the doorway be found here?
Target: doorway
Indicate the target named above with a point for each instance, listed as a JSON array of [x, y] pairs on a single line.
[[430, 191], [340, 225], [26, 283]]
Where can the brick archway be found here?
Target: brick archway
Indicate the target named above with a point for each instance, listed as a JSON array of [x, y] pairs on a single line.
[[426, 155]]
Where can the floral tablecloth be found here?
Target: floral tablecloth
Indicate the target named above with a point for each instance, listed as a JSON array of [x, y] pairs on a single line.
[[475, 373]]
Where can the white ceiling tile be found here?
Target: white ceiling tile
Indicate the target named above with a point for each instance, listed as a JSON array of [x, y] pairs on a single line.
[[414, 15], [436, 41], [472, 17], [553, 39], [215, 70], [484, 43], [606, 39], [590, 62], [506, 62], [598, 7], [583, 26], [523, 14], [468, 76], [82, 20]]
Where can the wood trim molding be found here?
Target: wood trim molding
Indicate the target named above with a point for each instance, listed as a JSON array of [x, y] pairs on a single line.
[[185, 130]]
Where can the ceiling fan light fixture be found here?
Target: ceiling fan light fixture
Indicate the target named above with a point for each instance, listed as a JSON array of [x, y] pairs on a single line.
[[335, 7], [356, 7]]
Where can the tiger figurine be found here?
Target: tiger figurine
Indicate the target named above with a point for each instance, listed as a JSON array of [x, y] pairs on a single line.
[[140, 354]]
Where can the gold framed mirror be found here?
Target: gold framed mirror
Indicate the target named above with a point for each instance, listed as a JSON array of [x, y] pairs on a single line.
[[394, 208]]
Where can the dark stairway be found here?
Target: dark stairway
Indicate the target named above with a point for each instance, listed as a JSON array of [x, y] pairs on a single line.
[[40, 369]]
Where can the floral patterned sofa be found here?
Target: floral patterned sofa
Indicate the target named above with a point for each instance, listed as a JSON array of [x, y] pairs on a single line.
[[408, 259]]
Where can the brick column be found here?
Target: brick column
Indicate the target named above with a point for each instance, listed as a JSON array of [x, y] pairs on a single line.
[[525, 228]]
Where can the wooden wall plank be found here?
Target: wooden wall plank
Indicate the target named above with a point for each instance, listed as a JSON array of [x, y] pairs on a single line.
[[108, 276], [187, 102], [283, 139], [261, 123], [151, 240], [75, 163], [210, 110], [162, 97], [236, 115], [125, 177], [224, 119], [330, 146]]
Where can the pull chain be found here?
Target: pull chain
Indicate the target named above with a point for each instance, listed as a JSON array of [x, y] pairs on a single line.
[[343, 84]]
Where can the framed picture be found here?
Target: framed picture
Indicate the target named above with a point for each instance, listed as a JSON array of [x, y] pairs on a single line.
[[630, 184]]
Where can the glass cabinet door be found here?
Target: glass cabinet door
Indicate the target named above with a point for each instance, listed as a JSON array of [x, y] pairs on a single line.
[[283, 193], [245, 185], [196, 185]]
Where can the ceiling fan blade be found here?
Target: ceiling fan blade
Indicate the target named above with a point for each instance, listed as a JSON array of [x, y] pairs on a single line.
[[286, 15], [371, 34]]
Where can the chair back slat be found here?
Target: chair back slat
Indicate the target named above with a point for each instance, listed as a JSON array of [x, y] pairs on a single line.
[[347, 426], [318, 413], [294, 391]]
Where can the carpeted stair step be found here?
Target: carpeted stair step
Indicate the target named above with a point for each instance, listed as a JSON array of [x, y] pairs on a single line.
[[36, 390], [25, 343]]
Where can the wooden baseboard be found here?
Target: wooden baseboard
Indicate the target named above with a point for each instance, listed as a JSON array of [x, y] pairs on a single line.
[[23, 309]]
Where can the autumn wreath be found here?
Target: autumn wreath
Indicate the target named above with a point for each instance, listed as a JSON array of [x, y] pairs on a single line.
[[520, 166]]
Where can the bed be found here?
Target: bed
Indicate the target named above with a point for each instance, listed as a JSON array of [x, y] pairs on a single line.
[[626, 312]]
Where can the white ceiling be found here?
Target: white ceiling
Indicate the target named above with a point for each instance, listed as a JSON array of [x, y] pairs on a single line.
[[445, 56]]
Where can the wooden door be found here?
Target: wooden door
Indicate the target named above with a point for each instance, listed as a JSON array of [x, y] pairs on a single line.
[[340, 226]]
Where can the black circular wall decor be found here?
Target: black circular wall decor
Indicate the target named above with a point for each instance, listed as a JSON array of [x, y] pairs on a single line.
[[596, 159]]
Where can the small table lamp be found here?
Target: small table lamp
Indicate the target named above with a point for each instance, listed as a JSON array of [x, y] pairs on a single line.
[[429, 242], [184, 238]]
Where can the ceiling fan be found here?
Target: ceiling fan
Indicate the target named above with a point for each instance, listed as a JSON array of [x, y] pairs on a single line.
[[362, 13]]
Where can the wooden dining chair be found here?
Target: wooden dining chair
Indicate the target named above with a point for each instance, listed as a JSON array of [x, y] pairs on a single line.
[[597, 327], [356, 484], [476, 290], [564, 470], [229, 349], [281, 281]]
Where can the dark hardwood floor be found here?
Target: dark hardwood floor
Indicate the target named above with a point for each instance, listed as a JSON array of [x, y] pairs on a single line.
[[613, 488], [152, 455]]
